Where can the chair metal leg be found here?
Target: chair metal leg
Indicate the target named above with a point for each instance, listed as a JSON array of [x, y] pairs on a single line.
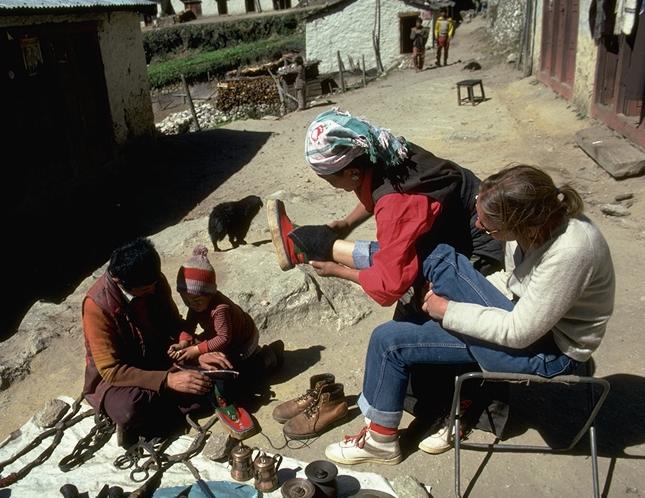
[[593, 406]]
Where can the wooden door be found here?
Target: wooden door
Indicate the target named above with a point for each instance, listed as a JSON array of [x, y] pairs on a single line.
[[559, 45], [619, 96]]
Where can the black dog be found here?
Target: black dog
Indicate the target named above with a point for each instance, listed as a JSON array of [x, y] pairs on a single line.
[[233, 219], [473, 66]]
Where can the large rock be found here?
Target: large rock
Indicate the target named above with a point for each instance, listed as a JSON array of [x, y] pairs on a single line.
[[613, 153], [249, 275]]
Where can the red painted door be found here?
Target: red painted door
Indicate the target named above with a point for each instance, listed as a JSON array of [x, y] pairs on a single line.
[[559, 44]]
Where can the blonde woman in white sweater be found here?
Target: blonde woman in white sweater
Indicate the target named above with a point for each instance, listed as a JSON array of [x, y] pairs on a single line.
[[543, 315]]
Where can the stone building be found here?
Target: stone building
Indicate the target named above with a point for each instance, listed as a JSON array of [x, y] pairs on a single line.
[[75, 87], [223, 7], [347, 26]]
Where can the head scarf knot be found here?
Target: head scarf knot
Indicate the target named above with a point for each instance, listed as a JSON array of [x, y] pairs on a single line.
[[335, 138]]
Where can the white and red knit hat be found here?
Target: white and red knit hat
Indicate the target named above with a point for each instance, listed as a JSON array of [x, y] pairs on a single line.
[[197, 276]]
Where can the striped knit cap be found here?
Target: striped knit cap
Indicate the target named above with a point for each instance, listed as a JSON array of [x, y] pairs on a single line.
[[335, 138], [197, 276]]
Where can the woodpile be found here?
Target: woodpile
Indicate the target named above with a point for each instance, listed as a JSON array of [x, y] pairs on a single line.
[[259, 70], [238, 92]]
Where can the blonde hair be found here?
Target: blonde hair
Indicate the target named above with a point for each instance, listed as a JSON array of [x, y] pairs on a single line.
[[524, 200]]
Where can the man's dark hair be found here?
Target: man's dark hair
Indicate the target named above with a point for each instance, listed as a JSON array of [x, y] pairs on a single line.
[[135, 264]]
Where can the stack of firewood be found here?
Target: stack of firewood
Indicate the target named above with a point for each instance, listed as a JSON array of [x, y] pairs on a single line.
[[239, 92]]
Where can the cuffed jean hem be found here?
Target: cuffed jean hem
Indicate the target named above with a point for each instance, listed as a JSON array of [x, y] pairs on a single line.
[[386, 419], [363, 252]]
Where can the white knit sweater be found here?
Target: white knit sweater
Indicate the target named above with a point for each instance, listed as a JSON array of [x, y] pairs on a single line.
[[566, 286]]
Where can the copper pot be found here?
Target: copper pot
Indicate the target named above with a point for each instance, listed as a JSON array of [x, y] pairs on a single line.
[[241, 462], [265, 469]]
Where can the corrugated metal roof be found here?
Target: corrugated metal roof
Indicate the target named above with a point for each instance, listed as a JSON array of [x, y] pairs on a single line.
[[15, 6], [336, 5]]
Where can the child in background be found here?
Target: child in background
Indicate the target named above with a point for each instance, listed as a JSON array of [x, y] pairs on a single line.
[[226, 327]]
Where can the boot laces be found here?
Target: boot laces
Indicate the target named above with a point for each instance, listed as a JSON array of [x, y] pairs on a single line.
[[357, 439], [311, 393], [311, 410]]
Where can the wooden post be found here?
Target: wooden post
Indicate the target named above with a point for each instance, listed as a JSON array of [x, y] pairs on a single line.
[[364, 77], [340, 71], [190, 102]]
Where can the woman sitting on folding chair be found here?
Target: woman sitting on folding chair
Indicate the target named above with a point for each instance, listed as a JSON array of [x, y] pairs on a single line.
[[543, 315]]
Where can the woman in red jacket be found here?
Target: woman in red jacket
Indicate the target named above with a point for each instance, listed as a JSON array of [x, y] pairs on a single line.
[[418, 200]]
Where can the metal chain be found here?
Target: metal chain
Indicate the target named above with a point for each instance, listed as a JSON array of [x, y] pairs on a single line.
[[166, 461], [57, 431], [87, 446]]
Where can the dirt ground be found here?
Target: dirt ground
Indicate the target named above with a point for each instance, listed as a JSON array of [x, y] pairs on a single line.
[[521, 121]]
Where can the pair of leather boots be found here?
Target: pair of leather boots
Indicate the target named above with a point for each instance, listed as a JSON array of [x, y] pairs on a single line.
[[321, 407]]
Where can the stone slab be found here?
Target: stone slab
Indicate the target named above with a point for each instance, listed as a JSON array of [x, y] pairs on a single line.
[[613, 153]]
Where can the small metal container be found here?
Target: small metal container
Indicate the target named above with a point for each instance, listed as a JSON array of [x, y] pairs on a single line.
[[323, 475], [298, 488]]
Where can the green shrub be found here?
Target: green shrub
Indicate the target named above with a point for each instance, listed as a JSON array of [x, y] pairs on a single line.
[[163, 43], [196, 67]]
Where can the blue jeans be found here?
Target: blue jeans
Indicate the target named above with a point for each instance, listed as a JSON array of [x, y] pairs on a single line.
[[395, 346], [363, 253]]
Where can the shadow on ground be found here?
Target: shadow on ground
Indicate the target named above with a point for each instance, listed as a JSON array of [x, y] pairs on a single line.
[[557, 412], [60, 240]]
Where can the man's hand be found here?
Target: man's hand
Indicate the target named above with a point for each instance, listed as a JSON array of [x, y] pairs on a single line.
[[189, 382], [214, 359]]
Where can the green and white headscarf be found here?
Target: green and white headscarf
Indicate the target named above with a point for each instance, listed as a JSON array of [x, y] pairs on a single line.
[[335, 138]]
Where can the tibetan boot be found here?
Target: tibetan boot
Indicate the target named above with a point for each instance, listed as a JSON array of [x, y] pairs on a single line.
[[289, 409], [296, 245], [330, 409]]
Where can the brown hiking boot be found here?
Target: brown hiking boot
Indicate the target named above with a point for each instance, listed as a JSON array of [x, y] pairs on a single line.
[[289, 409], [330, 409]]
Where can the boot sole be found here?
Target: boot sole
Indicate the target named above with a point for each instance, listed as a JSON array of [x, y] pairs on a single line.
[[334, 424], [345, 461], [275, 209], [433, 450]]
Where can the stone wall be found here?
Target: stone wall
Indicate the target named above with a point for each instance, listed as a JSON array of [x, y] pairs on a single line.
[[506, 23], [586, 58], [350, 31]]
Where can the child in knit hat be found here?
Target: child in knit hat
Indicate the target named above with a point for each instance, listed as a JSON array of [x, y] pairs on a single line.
[[226, 327]]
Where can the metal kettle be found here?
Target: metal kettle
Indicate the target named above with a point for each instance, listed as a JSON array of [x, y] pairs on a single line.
[[241, 462], [265, 470]]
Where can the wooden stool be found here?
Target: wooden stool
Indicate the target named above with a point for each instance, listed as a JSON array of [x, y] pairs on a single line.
[[470, 84]]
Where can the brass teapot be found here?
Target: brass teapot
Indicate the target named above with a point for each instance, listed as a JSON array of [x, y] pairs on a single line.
[[265, 469], [241, 462]]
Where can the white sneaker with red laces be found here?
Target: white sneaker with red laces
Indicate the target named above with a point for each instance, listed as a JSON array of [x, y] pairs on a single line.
[[366, 447]]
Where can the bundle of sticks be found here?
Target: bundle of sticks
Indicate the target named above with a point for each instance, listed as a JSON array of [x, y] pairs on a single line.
[[246, 91]]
